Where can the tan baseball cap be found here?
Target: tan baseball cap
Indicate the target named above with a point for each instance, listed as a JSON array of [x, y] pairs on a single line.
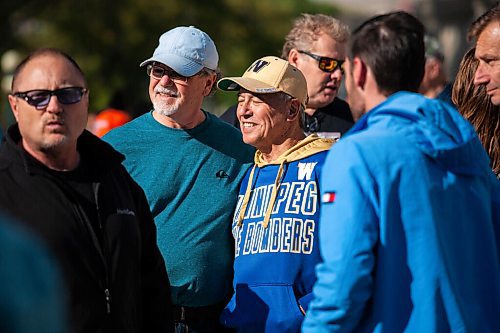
[[269, 75]]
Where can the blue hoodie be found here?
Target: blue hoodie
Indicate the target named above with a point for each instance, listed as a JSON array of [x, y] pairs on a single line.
[[275, 232], [409, 226]]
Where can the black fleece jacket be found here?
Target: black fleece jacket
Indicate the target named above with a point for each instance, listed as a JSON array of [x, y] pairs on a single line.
[[115, 277]]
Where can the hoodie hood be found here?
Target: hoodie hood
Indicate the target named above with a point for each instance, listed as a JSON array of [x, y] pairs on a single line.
[[434, 127], [309, 146]]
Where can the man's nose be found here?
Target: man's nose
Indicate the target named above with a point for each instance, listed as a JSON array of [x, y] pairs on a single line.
[[481, 76], [245, 109], [54, 105]]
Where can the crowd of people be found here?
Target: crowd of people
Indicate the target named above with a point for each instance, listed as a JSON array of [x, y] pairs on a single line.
[[296, 211]]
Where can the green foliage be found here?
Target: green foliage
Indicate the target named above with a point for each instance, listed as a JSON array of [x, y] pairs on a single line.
[[110, 38]]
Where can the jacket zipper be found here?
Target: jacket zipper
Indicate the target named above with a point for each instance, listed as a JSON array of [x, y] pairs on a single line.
[[102, 250], [104, 254], [108, 300]]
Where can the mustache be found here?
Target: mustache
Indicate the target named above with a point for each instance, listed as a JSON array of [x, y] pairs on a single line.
[[165, 90], [57, 120]]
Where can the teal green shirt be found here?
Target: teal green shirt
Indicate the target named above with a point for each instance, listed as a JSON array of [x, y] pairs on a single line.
[[191, 179]]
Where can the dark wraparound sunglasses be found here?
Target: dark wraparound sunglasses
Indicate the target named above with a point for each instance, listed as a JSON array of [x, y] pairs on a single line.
[[326, 64], [41, 98]]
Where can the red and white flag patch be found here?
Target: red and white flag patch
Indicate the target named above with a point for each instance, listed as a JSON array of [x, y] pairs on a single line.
[[328, 197]]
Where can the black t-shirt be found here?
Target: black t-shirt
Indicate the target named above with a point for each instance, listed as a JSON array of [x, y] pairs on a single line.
[[80, 181], [335, 117]]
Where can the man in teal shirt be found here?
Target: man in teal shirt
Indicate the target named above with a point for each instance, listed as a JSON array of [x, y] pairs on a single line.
[[190, 165]]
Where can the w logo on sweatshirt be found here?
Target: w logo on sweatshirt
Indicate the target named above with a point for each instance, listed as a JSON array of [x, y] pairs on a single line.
[[305, 170]]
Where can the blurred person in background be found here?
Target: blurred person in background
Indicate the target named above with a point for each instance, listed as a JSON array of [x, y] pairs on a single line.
[[69, 188], [410, 215], [486, 32], [435, 81], [31, 288], [190, 164], [115, 115], [108, 119], [475, 105], [316, 46]]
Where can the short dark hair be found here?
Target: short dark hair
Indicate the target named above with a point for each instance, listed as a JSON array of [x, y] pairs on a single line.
[[491, 15], [42, 52], [392, 45]]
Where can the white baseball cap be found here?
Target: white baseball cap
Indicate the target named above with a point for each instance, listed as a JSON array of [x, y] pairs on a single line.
[[186, 50]]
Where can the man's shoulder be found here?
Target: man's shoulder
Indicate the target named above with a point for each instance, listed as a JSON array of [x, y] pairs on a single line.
[[230, 117], [224, 128], [124, 136], [129, 127], [339, 108], [223, 124], [335, 117]]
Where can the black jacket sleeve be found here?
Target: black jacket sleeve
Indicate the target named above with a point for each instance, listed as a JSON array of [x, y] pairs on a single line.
[[157, 304]]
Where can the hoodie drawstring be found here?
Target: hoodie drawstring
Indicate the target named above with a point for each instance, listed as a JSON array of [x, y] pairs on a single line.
[[274, 194], [246, 198]]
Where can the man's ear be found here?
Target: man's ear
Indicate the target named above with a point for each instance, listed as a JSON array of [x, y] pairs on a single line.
[[294, 110], [13, 105], [359, 72], [293, 57], [211, 80]]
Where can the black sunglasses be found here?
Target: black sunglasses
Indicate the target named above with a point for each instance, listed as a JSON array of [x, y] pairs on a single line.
[[41, 98], [326, 64], [158, 72]]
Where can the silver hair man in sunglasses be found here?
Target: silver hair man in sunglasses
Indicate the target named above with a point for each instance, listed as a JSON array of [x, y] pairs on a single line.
[[316, 46], [69, 188]]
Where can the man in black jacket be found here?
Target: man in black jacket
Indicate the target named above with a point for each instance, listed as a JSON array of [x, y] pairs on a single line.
[[70, 189]]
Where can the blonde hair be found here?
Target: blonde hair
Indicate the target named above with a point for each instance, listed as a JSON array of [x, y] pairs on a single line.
[[307, 29]]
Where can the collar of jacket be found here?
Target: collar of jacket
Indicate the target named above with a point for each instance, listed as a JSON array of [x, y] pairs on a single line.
[[93, 149]]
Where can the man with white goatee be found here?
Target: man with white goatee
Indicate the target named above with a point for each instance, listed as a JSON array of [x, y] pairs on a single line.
[[190, 165]]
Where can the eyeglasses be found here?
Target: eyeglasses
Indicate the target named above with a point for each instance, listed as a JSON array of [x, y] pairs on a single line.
[[326, 64], [41, 98], [157, 72]]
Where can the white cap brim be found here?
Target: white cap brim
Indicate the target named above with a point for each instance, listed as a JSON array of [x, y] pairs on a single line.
[[253, 85]]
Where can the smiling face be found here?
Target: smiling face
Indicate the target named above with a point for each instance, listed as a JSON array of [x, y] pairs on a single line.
[[57, 126], [174, 97], [322, 87], [488, 54], [263, 119]]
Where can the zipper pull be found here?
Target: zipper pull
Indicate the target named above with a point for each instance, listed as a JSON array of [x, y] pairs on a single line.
[[108, 300]]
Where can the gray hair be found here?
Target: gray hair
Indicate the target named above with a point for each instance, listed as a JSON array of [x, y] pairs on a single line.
[[307, 28]]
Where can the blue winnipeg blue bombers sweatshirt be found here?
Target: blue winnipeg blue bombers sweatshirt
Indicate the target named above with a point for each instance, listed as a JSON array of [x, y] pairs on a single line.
[[276, 246]]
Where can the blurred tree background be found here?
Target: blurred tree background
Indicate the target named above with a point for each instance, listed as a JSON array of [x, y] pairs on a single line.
[[110, 38]]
